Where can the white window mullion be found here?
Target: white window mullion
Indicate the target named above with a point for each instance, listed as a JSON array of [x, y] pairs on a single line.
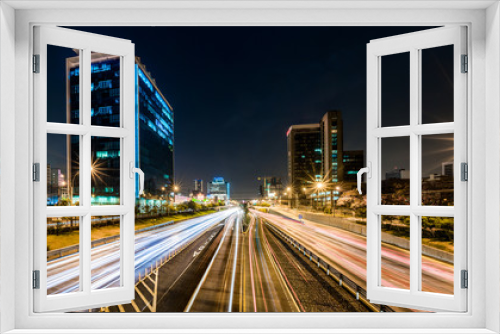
[[414, 171]]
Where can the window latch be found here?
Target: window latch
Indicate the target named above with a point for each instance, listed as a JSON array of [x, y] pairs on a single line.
[[368, 171]]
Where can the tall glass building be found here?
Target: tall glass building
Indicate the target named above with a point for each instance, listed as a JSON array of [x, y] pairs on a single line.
[[154, 130]]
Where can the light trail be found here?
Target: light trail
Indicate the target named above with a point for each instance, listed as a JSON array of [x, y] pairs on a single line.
[[235, 260], [204, 277], [250, 257], [151, 246], [347, 252]]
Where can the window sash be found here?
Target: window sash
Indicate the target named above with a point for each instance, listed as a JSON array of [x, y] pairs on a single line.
[[413, 43], [86, 43]]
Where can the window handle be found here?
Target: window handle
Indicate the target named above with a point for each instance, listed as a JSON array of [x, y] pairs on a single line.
[[134, 170], [368, 171]]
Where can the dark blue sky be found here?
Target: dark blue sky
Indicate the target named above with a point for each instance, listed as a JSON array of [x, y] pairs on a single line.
[[236, 90]]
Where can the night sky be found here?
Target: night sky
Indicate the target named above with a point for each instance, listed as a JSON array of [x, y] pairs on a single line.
[[236, 90]]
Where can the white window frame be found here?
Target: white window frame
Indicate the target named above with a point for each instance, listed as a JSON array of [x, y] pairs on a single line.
[[482, 19], [414, 43], [125, 133]]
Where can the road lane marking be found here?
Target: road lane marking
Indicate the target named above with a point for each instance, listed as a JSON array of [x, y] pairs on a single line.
[[204, 277]]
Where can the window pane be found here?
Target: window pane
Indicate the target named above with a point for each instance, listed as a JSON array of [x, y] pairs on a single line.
[[63, 255], [437, 170], [63, 170], [105, 171], [437, 84], [105, 253], [105, 88], [395, 253], [395, 91], [437, 254], [63, 85], [395, 169]]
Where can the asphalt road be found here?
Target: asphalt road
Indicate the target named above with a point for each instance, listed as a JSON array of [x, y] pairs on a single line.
[[63, 273], [346, 251]]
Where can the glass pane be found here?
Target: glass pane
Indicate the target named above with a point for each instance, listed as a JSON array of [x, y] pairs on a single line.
[[395, 169], [437, 84], [105, 254], [105, 171], [63, 255], [395, 89], [395, 255], [437, 170], [63, 85], [105, 88], [437, 254], [63, 170]]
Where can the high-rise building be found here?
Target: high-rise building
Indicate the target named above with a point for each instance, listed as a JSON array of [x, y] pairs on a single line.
[[305, 158], [316, 153], [154, 128], [353, 161], [218, 189], [198, 187], [271, 187], [331, 130]]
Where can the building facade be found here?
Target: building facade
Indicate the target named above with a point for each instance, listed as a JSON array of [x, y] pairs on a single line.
[[218, 189], [271, 187], [154, 130], [198, 187], [316, 154], [305, 158], [332, 146]]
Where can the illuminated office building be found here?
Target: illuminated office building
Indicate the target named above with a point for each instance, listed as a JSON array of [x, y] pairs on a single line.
[[154, 129], [316, 153], [218, 189]]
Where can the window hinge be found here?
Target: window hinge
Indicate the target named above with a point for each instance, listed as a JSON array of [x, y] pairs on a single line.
[[465, 64], [36, 172], [465, 279], [36, 63], [36, 279], [464, 172]]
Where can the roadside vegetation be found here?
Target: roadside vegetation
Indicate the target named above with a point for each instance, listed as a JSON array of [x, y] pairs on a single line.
[[63, 232]]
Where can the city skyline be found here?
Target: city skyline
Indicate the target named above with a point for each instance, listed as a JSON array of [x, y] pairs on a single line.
[[270, 78]]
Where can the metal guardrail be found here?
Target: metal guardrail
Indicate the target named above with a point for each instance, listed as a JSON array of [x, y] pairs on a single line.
[[343, 280]]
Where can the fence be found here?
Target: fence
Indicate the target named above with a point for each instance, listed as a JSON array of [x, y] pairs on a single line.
[[343, 280]]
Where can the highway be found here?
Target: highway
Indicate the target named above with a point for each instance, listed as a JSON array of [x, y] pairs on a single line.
[[226, 268], [346, 251], [150, 246]]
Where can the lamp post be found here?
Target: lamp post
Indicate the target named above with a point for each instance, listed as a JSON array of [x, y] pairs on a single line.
[[289, 191]]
